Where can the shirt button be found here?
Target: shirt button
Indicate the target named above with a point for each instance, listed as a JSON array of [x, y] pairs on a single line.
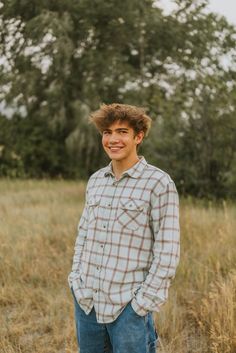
[[98, 267], [104, 226], [101, 245], [95, 290]]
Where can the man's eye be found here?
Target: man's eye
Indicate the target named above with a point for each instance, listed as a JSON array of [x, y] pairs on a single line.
[[123, 131], [105, 132]]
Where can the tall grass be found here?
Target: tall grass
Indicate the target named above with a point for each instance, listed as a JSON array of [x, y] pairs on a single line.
[[38, 222]]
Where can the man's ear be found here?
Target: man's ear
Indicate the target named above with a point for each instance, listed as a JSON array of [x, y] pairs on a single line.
[[139, 137]]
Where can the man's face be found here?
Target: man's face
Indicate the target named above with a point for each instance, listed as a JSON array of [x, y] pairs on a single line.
[[119, 141]]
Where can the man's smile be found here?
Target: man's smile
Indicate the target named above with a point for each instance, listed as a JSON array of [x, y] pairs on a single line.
[[115, 148]]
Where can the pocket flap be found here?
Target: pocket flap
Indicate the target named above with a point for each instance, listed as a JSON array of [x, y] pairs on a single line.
[[93, 201], [133, 205]]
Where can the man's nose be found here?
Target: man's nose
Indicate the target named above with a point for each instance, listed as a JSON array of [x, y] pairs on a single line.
[[114, 138]]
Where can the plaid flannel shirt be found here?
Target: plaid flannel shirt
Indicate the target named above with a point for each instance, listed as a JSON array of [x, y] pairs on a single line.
[[127, 247]]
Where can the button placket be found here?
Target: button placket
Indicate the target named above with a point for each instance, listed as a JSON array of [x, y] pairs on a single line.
[[105, 214]]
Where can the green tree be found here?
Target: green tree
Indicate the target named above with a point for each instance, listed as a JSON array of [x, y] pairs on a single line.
[[62, 59]]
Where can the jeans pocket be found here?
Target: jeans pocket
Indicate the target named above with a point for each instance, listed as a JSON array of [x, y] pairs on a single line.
[[134, 312]]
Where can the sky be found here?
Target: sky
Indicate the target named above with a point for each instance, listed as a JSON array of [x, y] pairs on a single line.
[[223, 7]]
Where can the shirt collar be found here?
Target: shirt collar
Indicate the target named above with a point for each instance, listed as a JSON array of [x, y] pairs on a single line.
[[133, 172]]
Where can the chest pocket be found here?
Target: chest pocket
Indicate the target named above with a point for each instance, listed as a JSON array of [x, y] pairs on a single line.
[[131, 214], [93, 205]]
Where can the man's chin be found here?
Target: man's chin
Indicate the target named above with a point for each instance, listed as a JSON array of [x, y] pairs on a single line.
[[114, 157], [117, 159]]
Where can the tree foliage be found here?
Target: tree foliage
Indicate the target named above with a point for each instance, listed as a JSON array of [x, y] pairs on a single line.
[[61, 59]]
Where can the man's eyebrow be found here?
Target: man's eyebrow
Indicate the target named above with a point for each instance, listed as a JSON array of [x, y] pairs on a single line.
[[118, 129]]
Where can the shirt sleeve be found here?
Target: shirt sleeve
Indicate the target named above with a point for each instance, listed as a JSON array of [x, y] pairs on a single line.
[[79, 243], [164, 221]]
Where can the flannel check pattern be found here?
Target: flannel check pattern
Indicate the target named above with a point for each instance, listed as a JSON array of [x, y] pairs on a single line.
[[127, 247]]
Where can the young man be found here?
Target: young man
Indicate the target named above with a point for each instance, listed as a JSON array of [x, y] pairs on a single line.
[[127, 248]]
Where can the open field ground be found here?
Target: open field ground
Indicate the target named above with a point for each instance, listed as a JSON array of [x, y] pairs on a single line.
[[38, 222]]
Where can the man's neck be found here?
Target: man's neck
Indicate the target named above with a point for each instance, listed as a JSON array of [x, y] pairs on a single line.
[[119, 167]]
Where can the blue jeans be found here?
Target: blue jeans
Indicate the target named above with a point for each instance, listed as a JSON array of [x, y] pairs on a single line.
[[129, 333]]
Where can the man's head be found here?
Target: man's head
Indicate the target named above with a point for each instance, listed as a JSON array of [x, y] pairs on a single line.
[[111, 113], [123, 128]]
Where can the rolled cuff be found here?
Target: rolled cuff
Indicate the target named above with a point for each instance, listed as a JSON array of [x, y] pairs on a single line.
[[138, 308]]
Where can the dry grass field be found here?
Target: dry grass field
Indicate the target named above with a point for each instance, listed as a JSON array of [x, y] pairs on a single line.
[[38, 222]]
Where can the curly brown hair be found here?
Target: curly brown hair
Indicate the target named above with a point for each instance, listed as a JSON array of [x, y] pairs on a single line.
[[110, 113]]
